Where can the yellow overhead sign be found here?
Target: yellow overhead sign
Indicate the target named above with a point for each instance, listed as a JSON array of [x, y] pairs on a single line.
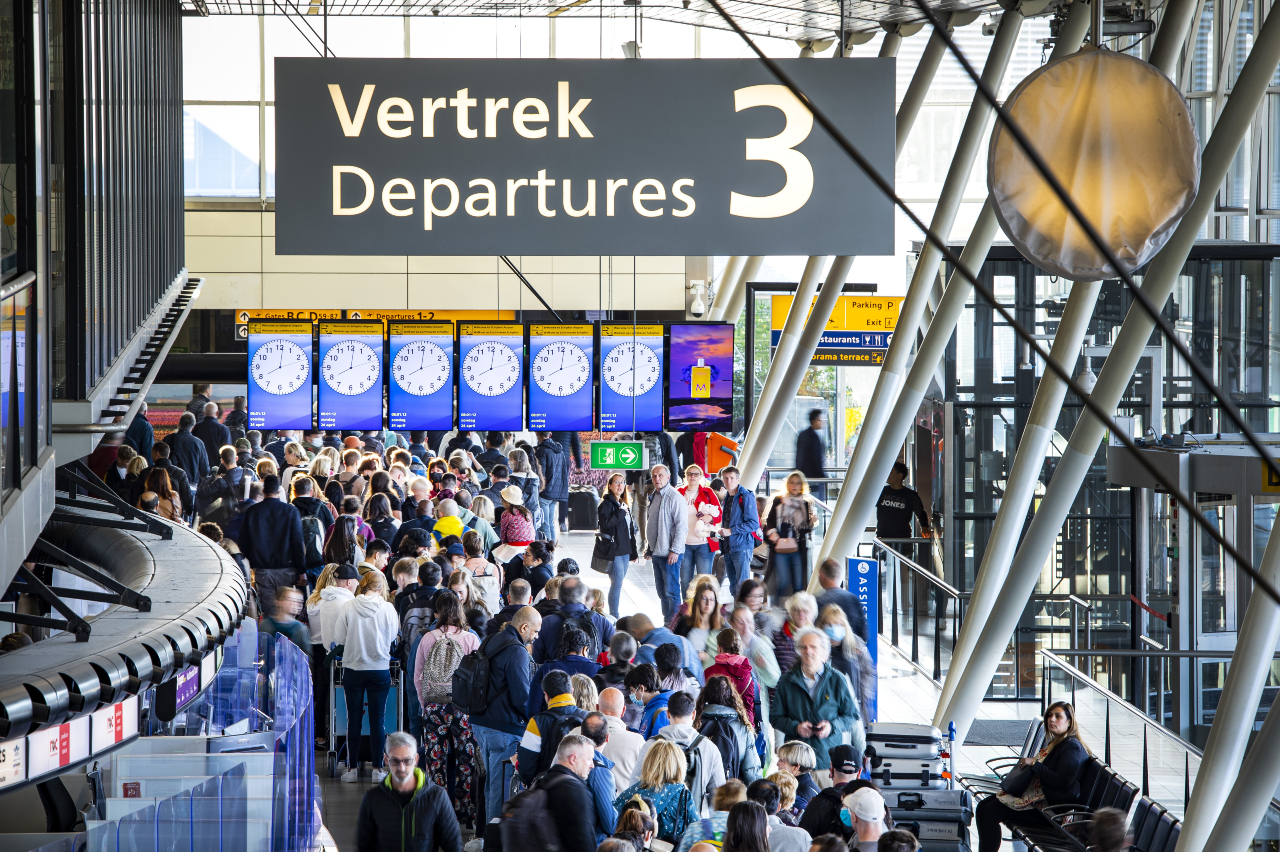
[[852, 313]]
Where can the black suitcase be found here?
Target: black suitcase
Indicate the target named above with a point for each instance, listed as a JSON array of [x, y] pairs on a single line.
[[953, 804], [583, 502]]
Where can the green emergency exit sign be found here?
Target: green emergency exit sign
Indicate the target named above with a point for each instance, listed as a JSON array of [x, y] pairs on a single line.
[[618, 455]]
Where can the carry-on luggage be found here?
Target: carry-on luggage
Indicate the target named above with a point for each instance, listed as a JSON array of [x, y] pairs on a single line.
[[952, 804], [583, 503], [936, 835], [904, 740], [908, 774]]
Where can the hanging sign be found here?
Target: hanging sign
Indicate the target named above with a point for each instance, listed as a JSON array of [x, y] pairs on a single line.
[[858, 332], [579, 157]]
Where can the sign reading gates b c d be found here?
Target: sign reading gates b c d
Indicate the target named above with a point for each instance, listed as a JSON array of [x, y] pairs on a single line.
[[579, 157]]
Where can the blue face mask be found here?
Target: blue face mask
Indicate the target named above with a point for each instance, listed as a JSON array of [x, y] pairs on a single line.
[[845, 817], [835, 632]]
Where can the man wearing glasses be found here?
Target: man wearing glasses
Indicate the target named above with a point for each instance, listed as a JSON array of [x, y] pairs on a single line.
[[405, 811]]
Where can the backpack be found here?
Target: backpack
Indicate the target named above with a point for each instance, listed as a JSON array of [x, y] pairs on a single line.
[[417, 619], [471, 678], [693, 775], [436, 681], [347, 479], [526, 822], [588, 627], [720, 732], [312, 541], [558, 727]]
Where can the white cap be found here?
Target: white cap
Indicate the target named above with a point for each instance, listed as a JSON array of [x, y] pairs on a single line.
[[866, 803]]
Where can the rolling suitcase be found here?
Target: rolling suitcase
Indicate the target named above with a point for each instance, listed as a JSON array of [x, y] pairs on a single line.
[[953, 804], [901, 774], [583, 502], [904, 740], [937, 835]]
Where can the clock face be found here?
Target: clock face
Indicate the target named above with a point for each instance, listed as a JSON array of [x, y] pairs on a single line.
[[280, 367], [421, 368], [351, 368], [618, 373], [491, 368], [561, 368]]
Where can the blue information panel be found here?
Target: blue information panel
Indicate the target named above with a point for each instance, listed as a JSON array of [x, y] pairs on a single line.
[[420, 388], [280, 374], [630, 378], [490, 376], [561, 362], [864, 582], [700, 377], [351, 374]]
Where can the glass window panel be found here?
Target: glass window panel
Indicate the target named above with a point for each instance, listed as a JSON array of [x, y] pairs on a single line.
[[1235, 189], [372, 36], [221, 151], [270, 151], [282, 38], [220, 58], [1243, 43], [9, 81], [1202, 60]]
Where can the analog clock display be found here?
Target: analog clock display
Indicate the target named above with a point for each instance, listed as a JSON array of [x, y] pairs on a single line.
[[491, 368], [351, 367], [631, 369], [421, 368], [561, 368], [280, 367]]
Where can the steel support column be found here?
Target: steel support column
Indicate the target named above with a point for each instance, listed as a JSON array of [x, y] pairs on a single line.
[[1237, 708], [1174, 26], [738, 298], [732, 270], [755, 456], [842, 538], [1246, 805], [1116, 375]]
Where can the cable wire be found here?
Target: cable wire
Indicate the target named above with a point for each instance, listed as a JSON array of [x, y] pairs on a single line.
[[988, 294]]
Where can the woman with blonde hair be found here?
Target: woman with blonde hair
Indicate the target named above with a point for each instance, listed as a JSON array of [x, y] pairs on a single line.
[[266, 466], [483, 507], [471, 595], [792, 517], [702, 619], [662, 780], [295, 460], [585, 693], [320, 470], [598, 602], [319, 649], [486, 577], [136, 466], [787, 787]]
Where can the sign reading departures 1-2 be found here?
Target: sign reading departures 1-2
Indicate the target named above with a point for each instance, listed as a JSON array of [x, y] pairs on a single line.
[[422, 375], [579, 157]]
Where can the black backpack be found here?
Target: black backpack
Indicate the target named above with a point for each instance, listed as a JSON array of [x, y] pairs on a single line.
[[693, 761], [312, 541], [471, 678], [720, 732], [557, 728], [588, 627], [526, 821]]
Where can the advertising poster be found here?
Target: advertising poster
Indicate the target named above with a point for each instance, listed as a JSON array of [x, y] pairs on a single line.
[[630, 378], [351, 374], [864, 582], [280, 374], [490, 373], [57, 747], [420, 388], [700, 395], [561, 362]]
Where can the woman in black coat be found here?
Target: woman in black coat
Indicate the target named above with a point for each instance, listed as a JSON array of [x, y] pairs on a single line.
[[1056, 770], [615, 537]]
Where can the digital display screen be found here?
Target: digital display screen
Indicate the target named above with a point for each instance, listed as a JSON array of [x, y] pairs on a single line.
[[700, 384], [280, 374], [490, 376], [561, 364], [420, 388], [188, 685], [630, 378], [351, 354]]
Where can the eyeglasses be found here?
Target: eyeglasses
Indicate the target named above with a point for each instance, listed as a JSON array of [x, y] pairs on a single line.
[[402, 762]]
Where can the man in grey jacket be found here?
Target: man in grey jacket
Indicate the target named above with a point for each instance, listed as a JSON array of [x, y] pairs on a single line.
[[667, 525]]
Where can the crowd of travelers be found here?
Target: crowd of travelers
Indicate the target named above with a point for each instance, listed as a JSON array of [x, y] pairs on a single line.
[[538, 716]]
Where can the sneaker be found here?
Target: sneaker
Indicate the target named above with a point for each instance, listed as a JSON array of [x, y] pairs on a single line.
[[378, 776], [352, 775]]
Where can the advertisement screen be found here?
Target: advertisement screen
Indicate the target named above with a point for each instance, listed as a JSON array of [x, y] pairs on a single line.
[[350, 374], [700, 388], [420, 388], [630, 378], [280, 374], [491, 373], [561, 362]]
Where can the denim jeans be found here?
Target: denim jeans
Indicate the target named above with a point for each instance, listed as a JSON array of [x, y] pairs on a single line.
[[495, 747], [737, 567], [547, 529], [376, 684], [666, 580], [697, 558], [788, 570], [617, 573]]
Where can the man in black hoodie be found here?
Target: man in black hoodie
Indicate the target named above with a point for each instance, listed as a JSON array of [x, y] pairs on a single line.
[[271, 539], [211, 433], [310, 505], [187, 451], [822, 816], [405, 811]]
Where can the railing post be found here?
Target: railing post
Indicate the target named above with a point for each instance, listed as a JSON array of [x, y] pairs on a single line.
[[897, 581], [938, 622], [915, 624]]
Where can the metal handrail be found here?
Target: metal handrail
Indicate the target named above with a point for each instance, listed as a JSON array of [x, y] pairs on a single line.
[[18, 285], [916, 567]]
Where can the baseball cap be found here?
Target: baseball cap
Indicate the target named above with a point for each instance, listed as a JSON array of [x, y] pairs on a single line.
[[352, 441], [457, 549], [845, 758], [419, 536], [866, 803], [346, 572]]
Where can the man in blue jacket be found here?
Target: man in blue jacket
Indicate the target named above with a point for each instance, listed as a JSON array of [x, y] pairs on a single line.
[[642, 684], [595, 728], [271, 539], [650, 637], [741, 527], [499, 729], [573, 593]]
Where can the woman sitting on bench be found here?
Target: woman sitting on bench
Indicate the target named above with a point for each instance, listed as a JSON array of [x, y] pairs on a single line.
[[1056, 770]]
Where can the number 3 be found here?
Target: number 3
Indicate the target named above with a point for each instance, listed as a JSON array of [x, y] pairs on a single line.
[[779, 149]]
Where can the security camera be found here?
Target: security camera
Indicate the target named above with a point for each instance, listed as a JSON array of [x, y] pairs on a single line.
[[989, 28], [698, 306]]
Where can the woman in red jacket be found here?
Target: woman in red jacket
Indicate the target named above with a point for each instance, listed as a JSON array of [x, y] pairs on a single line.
[[704, 518], [732, 665]]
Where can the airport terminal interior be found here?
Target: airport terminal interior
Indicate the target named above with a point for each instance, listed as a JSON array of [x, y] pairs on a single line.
[[923, 500]]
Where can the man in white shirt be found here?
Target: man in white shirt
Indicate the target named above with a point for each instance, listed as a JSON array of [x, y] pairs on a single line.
[[623, 746]]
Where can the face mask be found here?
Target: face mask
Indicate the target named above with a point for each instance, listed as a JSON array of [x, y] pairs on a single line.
[[835, 632], [845, 817], [436, 476]]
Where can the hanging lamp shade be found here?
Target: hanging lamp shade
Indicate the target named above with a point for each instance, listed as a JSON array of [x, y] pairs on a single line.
[[1118, 135]]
